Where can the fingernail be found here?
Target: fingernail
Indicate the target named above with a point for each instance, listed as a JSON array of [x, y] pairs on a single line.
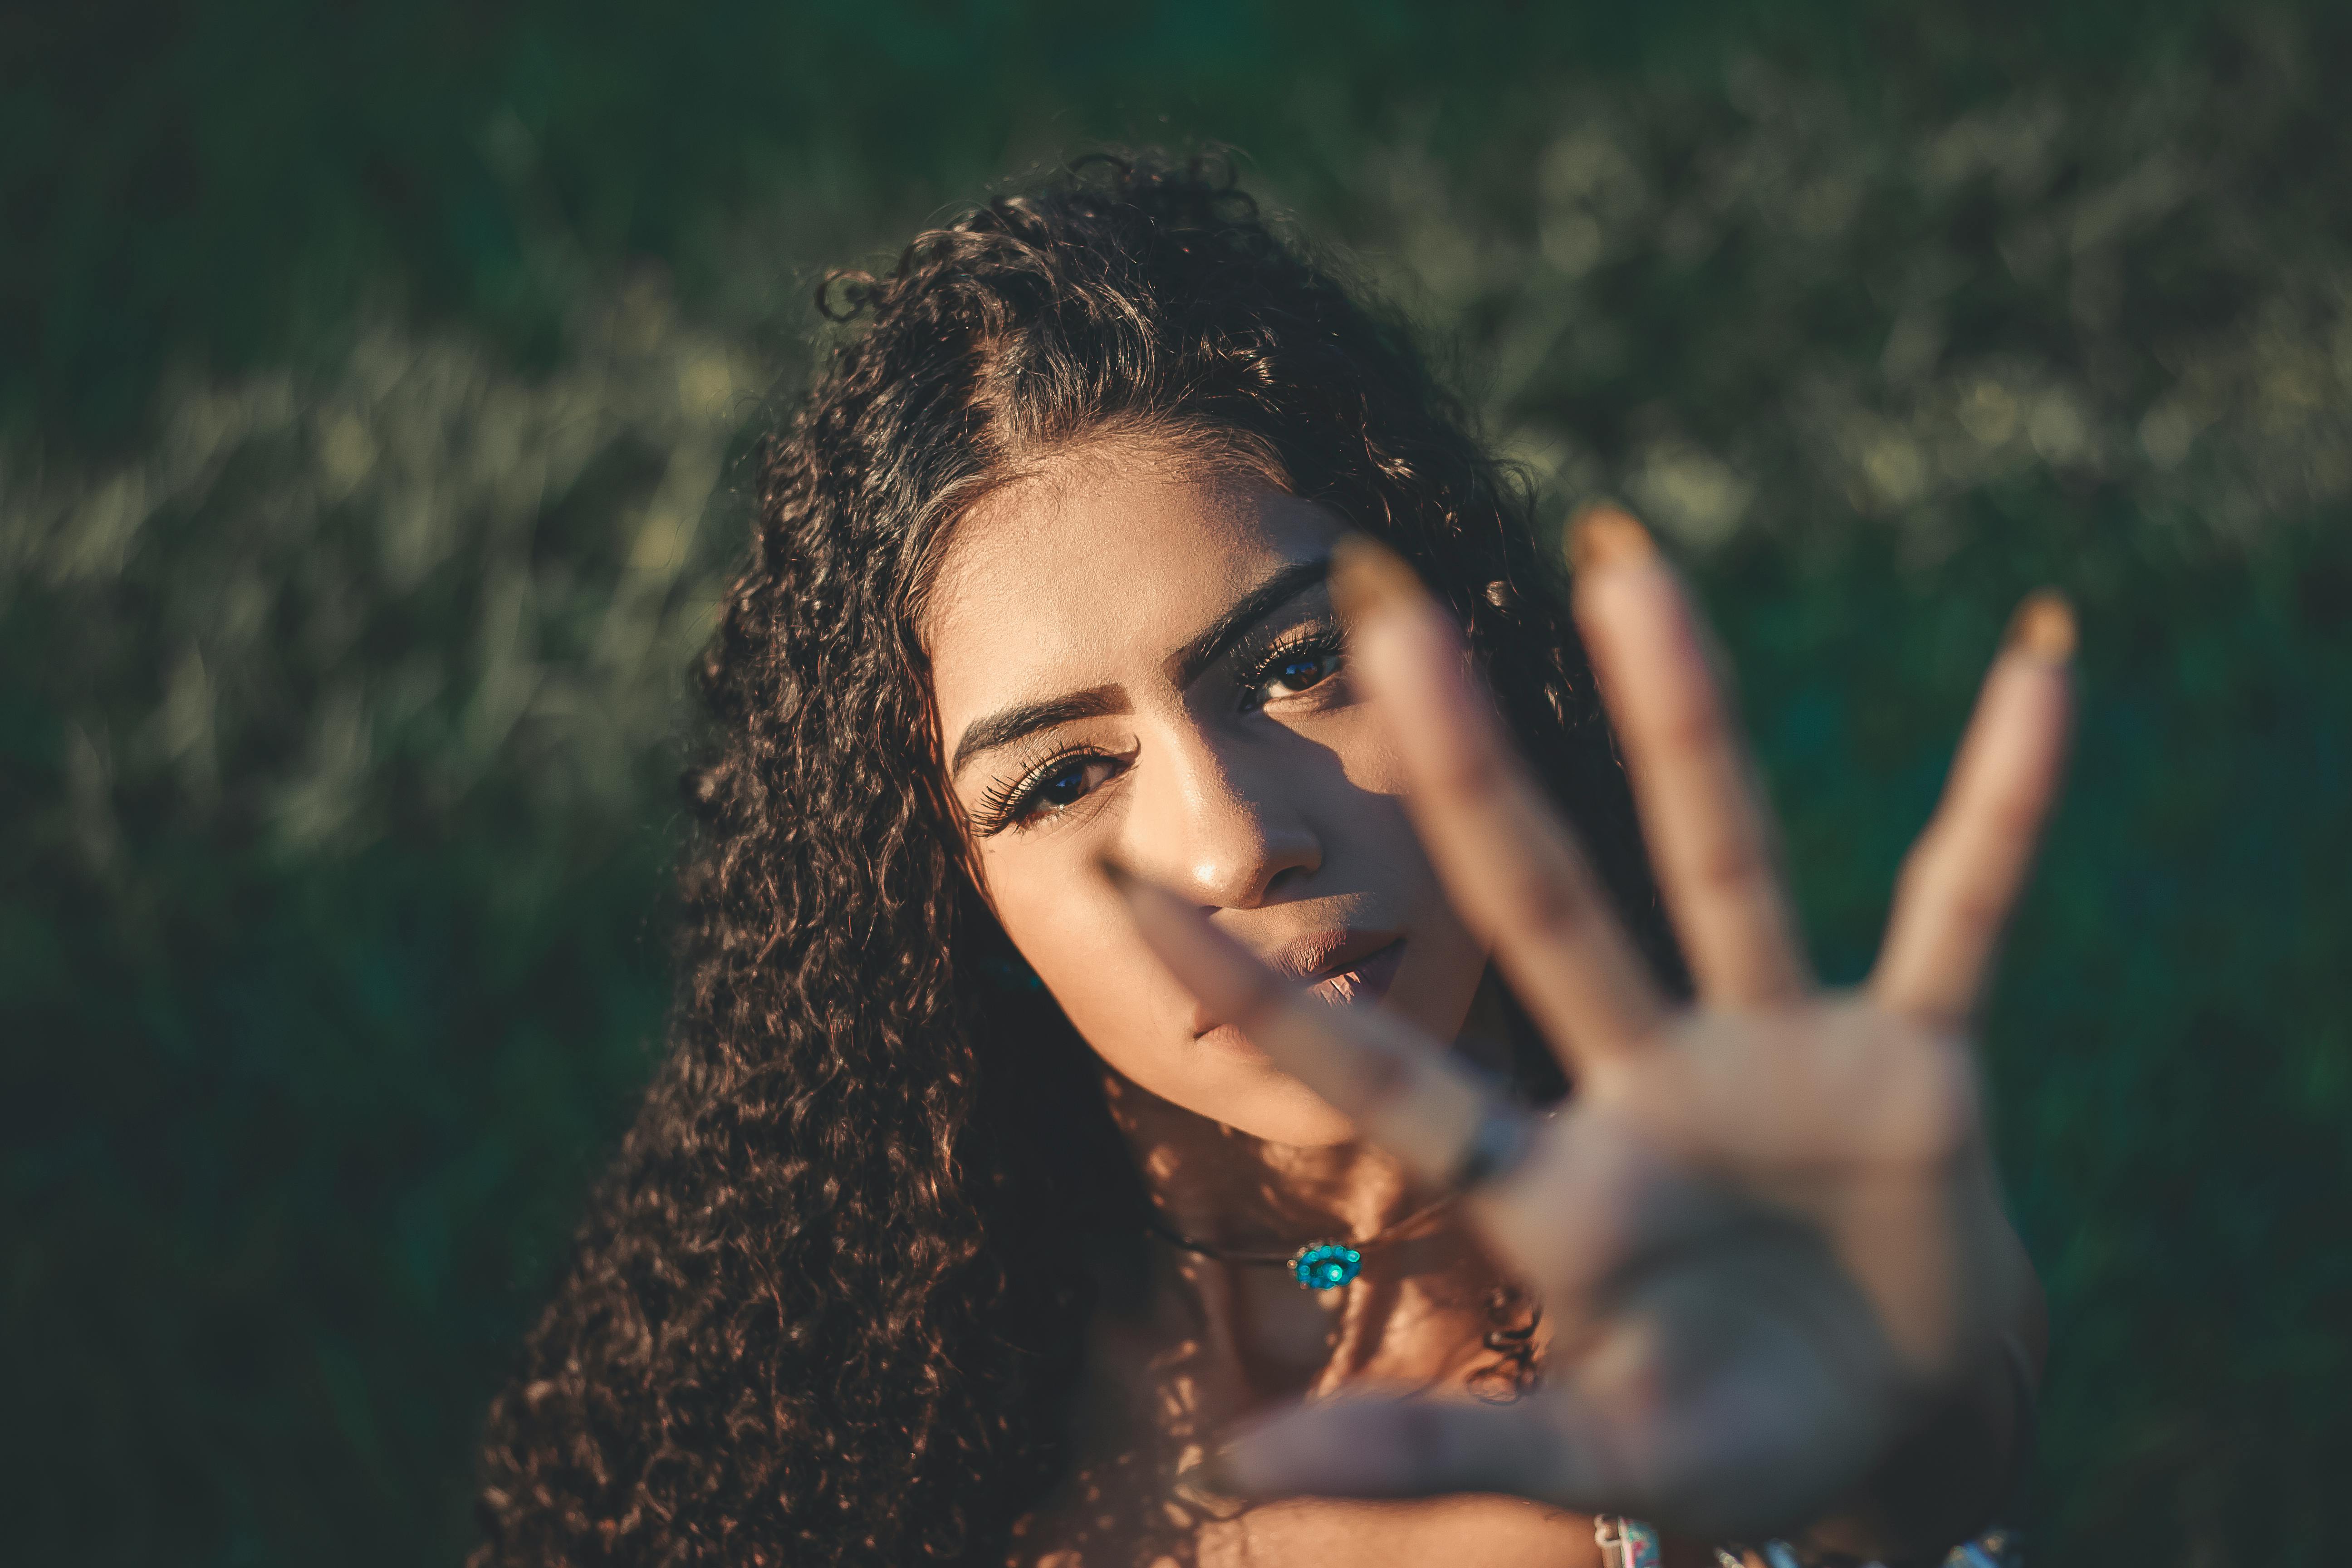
[[1367, 577], [1207, 1484], [2042, 628], [1211, 1474], [1606, 536]]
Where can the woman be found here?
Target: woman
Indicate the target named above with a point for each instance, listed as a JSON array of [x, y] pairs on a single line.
[[1133, 974]]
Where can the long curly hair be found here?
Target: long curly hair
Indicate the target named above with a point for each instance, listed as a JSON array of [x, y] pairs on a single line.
[[825, 1309]]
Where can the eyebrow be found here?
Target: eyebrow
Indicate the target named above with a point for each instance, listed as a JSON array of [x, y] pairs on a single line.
[[1211, 644], [1022, 720], [1007, 725]]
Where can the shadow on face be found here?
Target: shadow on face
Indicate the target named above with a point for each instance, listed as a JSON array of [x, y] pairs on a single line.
[[1133, 653]]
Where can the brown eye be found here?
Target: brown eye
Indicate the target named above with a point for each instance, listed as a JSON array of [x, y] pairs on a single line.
[[1062, 786], [1300, 673]]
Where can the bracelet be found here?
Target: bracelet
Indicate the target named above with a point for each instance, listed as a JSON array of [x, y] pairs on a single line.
[[1629, 1543]]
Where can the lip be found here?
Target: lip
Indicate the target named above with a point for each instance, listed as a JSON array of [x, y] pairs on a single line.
[[1364, 979], [1339, 967]]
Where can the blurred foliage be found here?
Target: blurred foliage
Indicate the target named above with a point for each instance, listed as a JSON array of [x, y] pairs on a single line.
[[373, 381]]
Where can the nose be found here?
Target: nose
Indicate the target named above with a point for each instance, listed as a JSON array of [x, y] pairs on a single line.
[[1219, 827]]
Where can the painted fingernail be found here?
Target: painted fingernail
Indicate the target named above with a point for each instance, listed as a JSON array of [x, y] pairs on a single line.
[[1606, 536], [1207, 1484], [1212, 1473], [2042, 628], [1368, 577]]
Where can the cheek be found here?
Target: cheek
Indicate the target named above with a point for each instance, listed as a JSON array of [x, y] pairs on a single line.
[[1369, 759], [1132, 1011], [1073, 932], [1071, 939], [1376, 845], [1362, 819]]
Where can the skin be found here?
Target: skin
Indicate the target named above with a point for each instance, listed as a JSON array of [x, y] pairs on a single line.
[[1764, 1232], [1267, 795], [1277, 808]]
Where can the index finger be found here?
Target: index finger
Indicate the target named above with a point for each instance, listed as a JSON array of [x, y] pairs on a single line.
[[1509, 863], [1404, 1092]]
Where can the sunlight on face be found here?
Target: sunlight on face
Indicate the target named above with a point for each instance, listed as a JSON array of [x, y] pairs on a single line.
[[1134, 652]]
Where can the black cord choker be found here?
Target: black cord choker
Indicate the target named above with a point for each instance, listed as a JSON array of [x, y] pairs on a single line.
[[1317, 1266]]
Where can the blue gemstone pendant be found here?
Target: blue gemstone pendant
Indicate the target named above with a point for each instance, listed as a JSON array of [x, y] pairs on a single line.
[[1325, 1265]]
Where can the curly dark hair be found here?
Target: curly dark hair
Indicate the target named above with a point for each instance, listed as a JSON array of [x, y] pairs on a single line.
[[825, 1309]]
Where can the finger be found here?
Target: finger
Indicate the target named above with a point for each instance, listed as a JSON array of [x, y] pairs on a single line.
[[1371, 1445], [1963, 876], [1513, 869], [1702, 812], [1720, 1423], [1402, 1090]]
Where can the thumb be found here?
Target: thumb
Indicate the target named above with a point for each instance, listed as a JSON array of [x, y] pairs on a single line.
[[1387, 1447]]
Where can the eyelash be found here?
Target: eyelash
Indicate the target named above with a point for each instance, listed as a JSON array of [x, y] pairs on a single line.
[[1008, 804], [1318, 642]]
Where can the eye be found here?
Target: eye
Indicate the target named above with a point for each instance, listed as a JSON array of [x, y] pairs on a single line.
[[1296, 672], [1068, 783], [1048, 789], [1294, 667]]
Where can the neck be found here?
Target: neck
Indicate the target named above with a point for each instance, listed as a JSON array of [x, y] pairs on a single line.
[[1417, 1309], [1214, 1184], [1246, 1324], [1249, 1328], [1220, 1186]]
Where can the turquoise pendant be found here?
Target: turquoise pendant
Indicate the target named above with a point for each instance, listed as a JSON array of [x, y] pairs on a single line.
[[1325, 1265]]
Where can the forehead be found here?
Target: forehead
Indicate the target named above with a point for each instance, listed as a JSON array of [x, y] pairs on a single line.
[[1100, 565]]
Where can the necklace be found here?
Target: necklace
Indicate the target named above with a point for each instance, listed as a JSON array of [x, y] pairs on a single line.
[[1324, 1264]]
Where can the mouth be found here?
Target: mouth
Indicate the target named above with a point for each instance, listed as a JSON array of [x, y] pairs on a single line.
[[1340, 969], [1349, 979]]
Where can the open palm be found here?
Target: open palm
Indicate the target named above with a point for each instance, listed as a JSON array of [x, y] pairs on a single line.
[[1765, 1228]]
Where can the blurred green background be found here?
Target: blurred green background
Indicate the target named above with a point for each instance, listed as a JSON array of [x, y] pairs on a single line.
[[374, 379]]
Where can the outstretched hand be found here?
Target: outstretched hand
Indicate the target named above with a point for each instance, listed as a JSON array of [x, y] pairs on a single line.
[[1765, 1228]]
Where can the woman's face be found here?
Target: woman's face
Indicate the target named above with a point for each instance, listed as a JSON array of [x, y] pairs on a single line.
[[1134, 653]]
